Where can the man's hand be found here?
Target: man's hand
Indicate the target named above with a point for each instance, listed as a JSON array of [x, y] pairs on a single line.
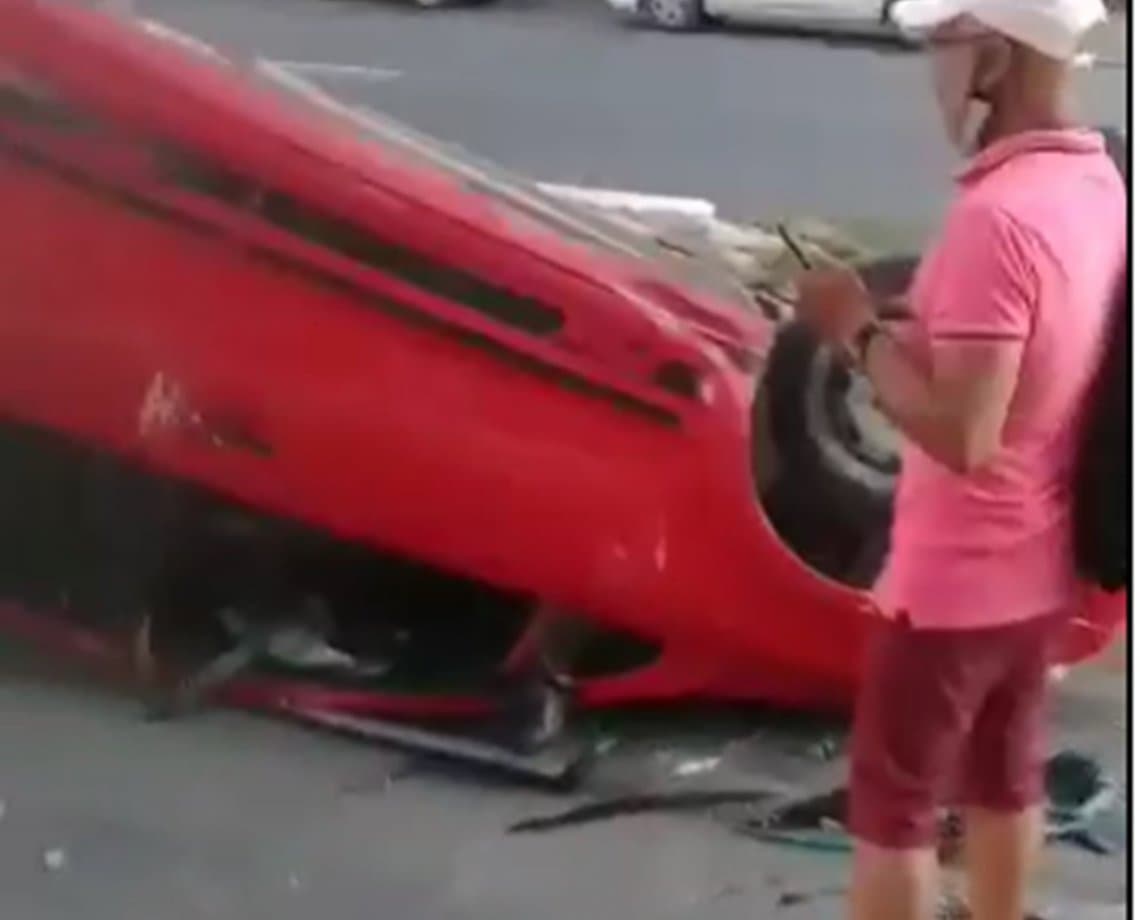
[[833, 302]]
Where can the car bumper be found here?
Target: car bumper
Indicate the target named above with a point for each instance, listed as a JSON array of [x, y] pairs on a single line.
[[629, 7]]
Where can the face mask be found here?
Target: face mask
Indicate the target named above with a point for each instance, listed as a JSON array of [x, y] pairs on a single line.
[[972, 126], [954, 69]]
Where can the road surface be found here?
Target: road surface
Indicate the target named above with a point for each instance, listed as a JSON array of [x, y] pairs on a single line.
[[227, 817], [105, 816], [560, 90]]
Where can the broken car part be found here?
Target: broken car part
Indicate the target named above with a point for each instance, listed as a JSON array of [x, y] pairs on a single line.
[[560, 767]]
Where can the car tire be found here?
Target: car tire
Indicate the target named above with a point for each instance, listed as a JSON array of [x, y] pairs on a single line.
[[829, 505], [838, 457], [674, 15], [889, 278], [802, 381]]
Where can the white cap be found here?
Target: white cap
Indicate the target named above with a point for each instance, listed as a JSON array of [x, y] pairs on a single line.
[[1053, 27]]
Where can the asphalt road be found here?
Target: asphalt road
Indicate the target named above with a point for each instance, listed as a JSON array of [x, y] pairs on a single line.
[[560, 90], [105, 816], [228, 817]]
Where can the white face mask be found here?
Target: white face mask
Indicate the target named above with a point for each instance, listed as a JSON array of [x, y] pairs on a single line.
[[954, 69]]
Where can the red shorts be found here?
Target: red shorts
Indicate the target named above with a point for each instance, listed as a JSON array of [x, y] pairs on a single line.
[[948, 717]]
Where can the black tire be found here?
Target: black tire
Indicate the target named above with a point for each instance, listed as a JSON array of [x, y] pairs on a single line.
[[822, 501], [890, 277], [832, 496], [674, 15], [798, 368]]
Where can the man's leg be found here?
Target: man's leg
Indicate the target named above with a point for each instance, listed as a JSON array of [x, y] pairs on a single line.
[[913, 716], [890, 884], [1004, 778], [1001, 851]]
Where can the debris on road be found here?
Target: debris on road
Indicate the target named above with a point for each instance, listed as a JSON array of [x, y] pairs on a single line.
[[55, 859], [815, 822], [798, 898], [558, 767], [755, 255], [695, 766], [629, 805], [952, 907], [1080, 792], [809, 743], [380, 782]]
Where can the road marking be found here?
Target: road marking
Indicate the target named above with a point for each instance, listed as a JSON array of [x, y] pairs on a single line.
[[611, 200], [182, 39], [339, 71], [385, 129], [292, 80]]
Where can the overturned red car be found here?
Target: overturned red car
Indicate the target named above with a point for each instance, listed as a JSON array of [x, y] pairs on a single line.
[[256, 348]]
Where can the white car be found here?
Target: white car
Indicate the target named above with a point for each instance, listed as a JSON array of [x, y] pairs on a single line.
[[857, 18]]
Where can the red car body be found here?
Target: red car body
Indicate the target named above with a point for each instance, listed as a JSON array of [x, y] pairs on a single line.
[[237, 290]]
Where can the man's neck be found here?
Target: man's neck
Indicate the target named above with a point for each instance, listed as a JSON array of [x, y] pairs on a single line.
[[1006, 121]]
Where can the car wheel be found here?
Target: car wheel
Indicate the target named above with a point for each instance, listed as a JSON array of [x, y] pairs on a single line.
[[838, 453], [888, 278], [824, 419], [674, 15], [831, 497]]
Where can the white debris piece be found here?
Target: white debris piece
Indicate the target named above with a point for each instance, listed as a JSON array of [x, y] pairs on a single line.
[[645, 206], [55, 859], [725, 235], [696, 766], [754, 255]]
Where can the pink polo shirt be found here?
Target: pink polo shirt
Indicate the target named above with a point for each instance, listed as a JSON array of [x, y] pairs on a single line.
[[1030, 250]]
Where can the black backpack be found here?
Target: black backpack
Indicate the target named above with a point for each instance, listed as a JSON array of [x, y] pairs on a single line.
[[1102, 513]]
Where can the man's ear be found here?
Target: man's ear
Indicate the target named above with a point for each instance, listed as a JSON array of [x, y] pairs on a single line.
[[995, 54]]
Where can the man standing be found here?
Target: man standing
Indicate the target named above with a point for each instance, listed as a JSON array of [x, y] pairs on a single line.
[[987, 385]]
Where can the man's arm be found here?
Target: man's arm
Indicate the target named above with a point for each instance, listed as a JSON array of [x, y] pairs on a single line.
[[955, 412], [977, 315], [976, 312]]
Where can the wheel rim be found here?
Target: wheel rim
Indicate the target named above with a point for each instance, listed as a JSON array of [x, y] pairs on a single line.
[[876, 440], [848, 427], [673, 14]]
